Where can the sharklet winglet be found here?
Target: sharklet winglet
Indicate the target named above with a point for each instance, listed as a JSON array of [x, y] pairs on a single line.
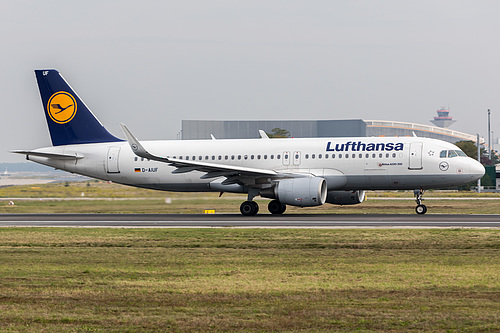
[[137, 147]]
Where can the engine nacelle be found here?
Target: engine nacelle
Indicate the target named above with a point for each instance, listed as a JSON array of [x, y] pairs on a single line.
[[302, 192], [345, 197]]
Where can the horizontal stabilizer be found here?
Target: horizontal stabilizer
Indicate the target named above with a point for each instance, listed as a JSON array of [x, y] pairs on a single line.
[[48, 155]]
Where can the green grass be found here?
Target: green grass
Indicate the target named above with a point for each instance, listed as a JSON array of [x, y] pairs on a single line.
[[250, 280]]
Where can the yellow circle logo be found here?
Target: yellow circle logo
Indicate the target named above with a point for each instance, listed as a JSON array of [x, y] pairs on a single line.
[[61, 107]]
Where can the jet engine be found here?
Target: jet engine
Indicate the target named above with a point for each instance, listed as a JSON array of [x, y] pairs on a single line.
[[345, 197], [302, 192]]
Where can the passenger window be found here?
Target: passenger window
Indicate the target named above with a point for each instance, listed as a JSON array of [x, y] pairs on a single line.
[[353, 155], [346, 155], [442, 154], [278, 156], [246, 157], [265, 157], [220, 157], [199, 157], [333, 155], [387, 155], [307, 156], [258, 157], [194, 158], [373, 155], [326, 155], [340, 155], [380, 155], [394, 155], [232, 157], [239, 157], [313, 156], [367, 155], [252, 157], [272, 157], [187, 158], [226, 157], [360, 155], [136, 158], [142, 159], [213, 157], [319, 156]]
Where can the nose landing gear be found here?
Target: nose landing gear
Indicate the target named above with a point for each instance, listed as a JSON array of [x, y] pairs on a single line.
[[420, 209]]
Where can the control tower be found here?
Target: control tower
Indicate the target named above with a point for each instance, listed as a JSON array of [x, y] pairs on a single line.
[[443, 119]]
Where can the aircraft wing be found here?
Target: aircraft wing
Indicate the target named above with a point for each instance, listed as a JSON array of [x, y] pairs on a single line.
[[234, 174]]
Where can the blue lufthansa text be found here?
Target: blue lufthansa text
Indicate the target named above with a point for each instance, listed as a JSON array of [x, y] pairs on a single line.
[[361, 146]]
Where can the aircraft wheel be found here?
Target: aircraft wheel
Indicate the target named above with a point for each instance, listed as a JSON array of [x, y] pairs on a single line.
[[421, 209], [249, 208], [276, 207]]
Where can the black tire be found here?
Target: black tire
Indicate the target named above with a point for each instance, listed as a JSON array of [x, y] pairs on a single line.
[[249, 208], [276, 207], [421, 209]]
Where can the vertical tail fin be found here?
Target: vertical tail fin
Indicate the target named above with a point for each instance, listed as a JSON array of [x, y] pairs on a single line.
[[68, 118]]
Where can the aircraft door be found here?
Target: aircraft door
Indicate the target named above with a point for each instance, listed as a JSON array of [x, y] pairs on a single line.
[[112, 161], [286, 158], [296, 158], [415, 156]]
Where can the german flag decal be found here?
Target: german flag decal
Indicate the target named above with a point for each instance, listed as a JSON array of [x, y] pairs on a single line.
[[137, 169]]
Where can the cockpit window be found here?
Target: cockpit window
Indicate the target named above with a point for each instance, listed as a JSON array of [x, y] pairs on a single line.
[[451, 153]]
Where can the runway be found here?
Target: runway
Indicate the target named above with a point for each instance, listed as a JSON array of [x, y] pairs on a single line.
[[259, 221]]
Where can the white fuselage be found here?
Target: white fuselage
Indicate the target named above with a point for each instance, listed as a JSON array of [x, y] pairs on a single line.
[[358, 163]]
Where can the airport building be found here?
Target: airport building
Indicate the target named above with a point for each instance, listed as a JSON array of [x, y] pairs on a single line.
[[248, 129]]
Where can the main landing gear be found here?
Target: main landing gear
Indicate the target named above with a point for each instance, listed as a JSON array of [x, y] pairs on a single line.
[[251, 208], [420, 209], [276, 207]]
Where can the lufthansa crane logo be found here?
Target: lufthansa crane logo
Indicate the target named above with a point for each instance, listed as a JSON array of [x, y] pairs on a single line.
[[61, 107], [443, 166]]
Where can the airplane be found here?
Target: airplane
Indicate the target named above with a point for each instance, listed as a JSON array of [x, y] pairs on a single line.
[[303, 172]]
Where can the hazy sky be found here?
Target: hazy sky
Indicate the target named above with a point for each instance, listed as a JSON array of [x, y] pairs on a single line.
[[150, 64]]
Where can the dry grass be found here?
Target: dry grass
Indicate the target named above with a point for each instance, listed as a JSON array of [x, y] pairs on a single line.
[[197, 203], [102, 197]]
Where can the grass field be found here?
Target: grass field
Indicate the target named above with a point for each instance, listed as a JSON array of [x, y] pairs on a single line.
[[102, 197], [249, 280]]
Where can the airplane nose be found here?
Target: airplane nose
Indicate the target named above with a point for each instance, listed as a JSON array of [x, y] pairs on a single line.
[[476, 169]]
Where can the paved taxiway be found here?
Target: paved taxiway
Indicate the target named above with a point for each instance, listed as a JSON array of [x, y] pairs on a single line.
[[264, 220]]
